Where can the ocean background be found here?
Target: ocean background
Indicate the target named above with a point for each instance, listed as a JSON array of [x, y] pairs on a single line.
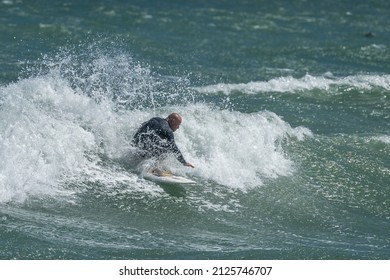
[[286, 117]]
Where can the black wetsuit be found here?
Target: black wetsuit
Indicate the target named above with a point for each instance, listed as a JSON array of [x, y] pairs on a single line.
[[155, 138]]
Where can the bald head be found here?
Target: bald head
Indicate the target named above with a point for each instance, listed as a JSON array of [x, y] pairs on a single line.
[[174, 121]]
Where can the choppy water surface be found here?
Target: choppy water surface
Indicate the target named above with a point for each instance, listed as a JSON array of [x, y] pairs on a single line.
[[285, 116]]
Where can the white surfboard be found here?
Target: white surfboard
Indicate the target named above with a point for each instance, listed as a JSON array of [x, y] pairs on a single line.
[[165, 176]]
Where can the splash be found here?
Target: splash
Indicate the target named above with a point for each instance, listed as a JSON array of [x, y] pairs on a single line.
[[55, 124], [71, 120]]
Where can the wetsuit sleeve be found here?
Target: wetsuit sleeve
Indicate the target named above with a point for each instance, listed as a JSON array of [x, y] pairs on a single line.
[[156, 138], [174, 149]]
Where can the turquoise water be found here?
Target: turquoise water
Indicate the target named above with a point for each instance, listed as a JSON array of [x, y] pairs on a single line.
[[285, 111]]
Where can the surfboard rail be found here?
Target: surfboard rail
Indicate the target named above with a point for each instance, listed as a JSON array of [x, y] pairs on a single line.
[[165, 176]]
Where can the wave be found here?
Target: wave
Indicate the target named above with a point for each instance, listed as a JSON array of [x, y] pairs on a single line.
[[72, 123], [238, 149], [381, 138], [290, 84]]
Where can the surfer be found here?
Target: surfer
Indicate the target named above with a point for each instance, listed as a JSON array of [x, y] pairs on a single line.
[[155, 138]]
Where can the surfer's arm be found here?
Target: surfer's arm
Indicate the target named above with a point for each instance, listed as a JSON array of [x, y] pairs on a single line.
[[180, 157], [175, 150], [171, 146], [189, 165]]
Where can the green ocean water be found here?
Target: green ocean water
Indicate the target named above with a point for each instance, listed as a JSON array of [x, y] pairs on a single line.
[[285, 109]]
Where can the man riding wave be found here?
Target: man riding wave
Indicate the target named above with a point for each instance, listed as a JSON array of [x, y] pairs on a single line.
[[155, 139]]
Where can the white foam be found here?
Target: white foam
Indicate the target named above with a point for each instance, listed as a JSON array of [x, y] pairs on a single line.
[[236, 149], [40, 141], [308, 82], [52, 133], [381, 138]]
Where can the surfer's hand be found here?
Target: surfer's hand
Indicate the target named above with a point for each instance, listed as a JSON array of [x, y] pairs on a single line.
[[189, 165]]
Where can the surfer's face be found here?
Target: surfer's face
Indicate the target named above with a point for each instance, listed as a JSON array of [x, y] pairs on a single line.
[[175, 125]]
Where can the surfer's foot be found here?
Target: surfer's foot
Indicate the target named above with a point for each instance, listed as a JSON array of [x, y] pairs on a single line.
[[160, 172]]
